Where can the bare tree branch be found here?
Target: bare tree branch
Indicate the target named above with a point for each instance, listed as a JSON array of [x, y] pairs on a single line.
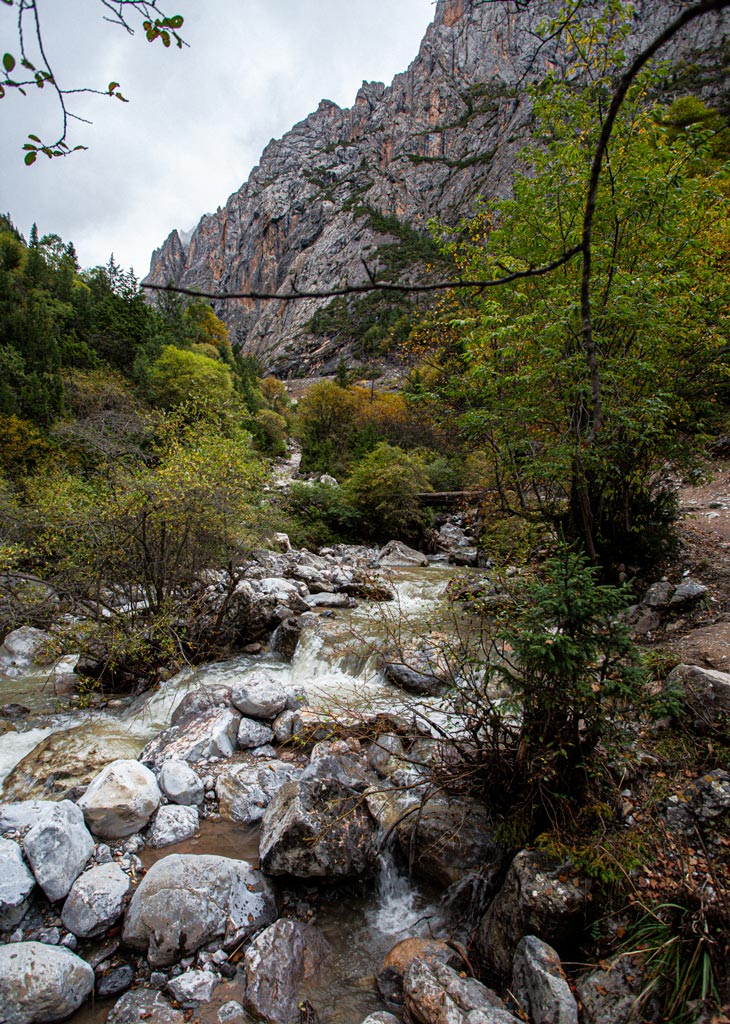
[[370, 286]]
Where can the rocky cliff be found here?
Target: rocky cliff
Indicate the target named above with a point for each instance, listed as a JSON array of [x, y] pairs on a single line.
[[340, 183]]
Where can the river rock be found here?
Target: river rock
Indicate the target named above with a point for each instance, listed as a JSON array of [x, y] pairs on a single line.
[[706, 692], [400, 958], [384, 754], [40, 984], [283, 592], [58, 848], [539, 984], [63, 764], [436, 994], [193, 985], [396, 553], [329, 600], [20, 649], [412, 681], [540, 896], [318, 829], [24, 813], [185, 901], [253, 734], [180, 783], [334, 761], [173, 823], [447, 839], [121, 799], [199, 701], [381, 1017], [144, 1005], [278, 962], [96, 900], [260, 695], [245, 791], [116, 981], [212, 733], [16, 885]]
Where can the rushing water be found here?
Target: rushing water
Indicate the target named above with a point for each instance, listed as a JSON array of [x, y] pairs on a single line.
[[337, 663]]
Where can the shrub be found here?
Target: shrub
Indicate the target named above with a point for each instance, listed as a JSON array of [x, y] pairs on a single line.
[[384, 490]]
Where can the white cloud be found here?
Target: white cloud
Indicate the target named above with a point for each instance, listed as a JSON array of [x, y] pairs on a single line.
[[197, 119]]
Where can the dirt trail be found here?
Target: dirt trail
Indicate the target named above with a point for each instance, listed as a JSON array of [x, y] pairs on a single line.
[[701, 635]]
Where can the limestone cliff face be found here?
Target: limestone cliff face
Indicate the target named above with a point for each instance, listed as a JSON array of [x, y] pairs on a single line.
[[446, 131]]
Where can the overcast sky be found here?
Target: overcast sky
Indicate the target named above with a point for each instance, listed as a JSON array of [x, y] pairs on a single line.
[[197, 119]]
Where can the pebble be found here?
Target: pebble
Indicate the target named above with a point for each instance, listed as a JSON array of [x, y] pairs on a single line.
[[70, 941], [158, 979]]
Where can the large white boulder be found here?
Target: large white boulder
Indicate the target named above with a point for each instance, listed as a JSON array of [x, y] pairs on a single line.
[[16, 885], [180, 783], [40, 984], [96, 900], [259, 695], [58, 848], [172, 824], [121, 799], [186, 900]]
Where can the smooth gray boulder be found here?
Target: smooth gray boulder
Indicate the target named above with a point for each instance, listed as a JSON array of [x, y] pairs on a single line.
[[58, 849], [16, 885], [180, 783], [436, 994], [172, 824], [96, 900], [253, 734], [260, 695], [144, 1005], [329, 600], [24, 813], [245, 791], [185, 901], [539, 983], [40, 984], [396, 553], [278, 962], [193, 985], [318, 829], [120, 800], [212, 733]]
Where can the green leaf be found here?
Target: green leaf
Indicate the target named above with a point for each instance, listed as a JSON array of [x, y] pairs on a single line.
[[176, 21], [34, 138], [8, 62], [2, 91], [166, 38], [30, 158], [112, 86]]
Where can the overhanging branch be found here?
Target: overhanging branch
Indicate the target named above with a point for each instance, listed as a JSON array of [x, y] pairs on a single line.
[[369, 286]]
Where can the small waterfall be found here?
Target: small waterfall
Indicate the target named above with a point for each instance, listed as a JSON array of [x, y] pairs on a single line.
[[399, 909]]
